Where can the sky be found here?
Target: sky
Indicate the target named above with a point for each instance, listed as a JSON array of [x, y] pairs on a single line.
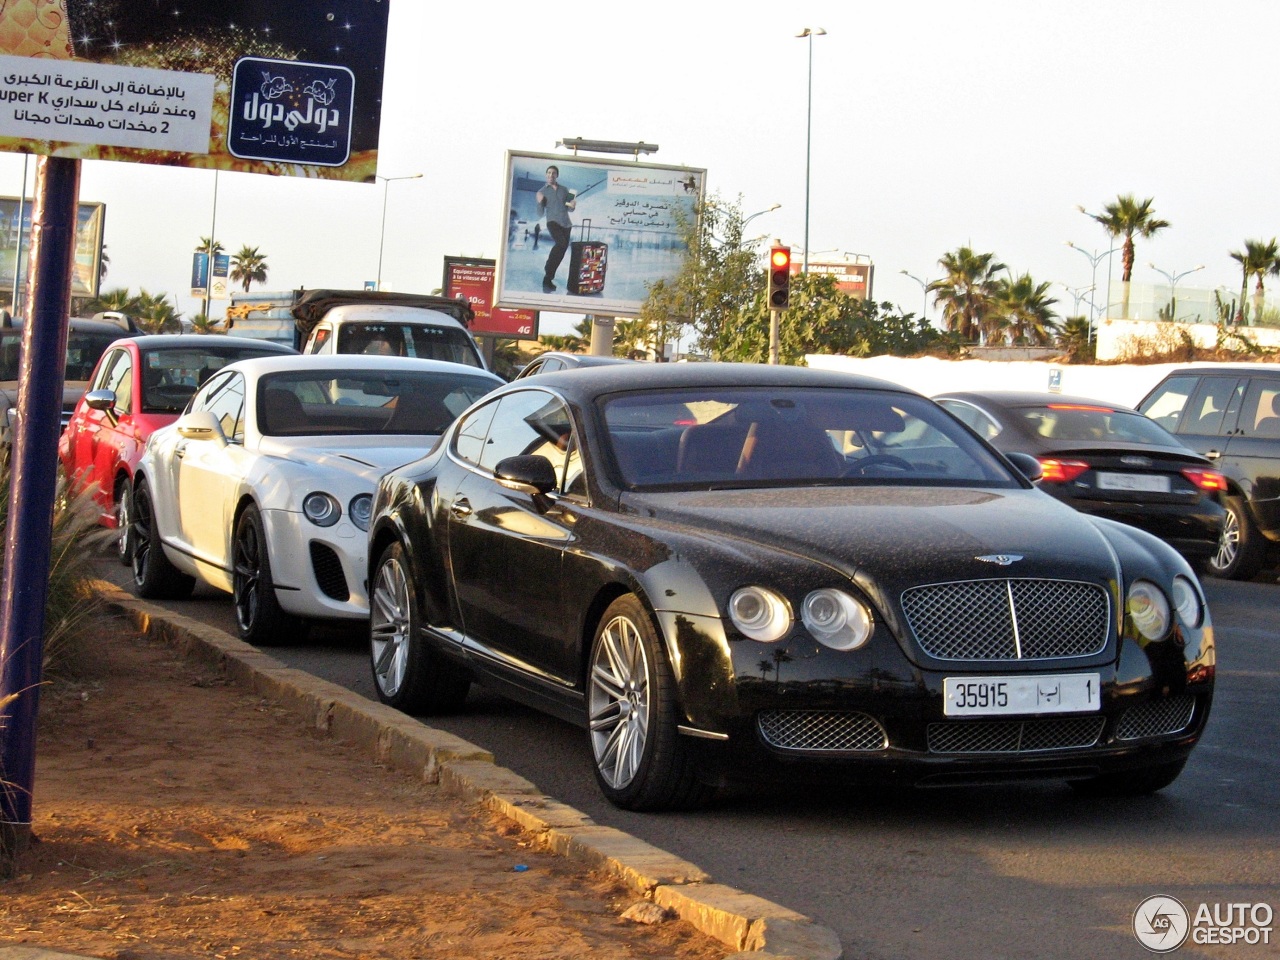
[[934, 125]]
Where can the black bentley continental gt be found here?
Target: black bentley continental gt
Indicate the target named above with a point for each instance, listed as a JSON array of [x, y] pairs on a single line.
[[728, 571]]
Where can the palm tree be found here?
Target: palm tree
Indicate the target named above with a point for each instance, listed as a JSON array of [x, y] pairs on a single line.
[[1124, 218], [118, 299], [202, 323], [209, 246], [1259, 258], [1026, 310], [967, 293], [156, 314], [249, 266]]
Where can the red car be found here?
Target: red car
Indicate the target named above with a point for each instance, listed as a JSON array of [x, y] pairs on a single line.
[[139, 385]]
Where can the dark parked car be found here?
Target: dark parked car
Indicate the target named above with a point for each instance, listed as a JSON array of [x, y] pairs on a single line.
[[729, 570], [1105, 460], [1231, 415], [140, 385], [554, 360], [87, 340]]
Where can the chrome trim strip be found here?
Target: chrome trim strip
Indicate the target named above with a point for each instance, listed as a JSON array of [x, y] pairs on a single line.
[[704, 734]]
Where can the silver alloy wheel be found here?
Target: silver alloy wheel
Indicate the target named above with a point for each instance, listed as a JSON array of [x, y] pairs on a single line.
[[618, 702], [389, 627], [124, 516], [1228, 542]]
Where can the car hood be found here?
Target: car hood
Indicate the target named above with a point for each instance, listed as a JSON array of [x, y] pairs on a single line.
[[901, 535], [369, 457]]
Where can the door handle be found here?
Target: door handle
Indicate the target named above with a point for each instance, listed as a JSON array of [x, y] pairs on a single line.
[[461, 508], [1212, 454], [180, 451]]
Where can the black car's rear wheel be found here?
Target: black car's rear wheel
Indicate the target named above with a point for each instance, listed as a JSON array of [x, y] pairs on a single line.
[[153, 575], [640, 760], [1131, 783], [407, 674], [1242, 549]]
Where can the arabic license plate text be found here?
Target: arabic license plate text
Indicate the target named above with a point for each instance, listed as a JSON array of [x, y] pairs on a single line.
[[1044, 693]]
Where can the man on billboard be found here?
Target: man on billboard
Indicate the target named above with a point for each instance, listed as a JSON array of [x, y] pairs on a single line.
[[555, 202]]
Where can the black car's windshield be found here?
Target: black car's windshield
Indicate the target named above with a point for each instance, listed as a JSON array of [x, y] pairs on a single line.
[[352, 402], [765, 436], [83, 351], [1084, 422]]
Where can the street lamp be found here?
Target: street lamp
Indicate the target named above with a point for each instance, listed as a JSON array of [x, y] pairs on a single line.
[[1077, 294], [924, 289], [758, 213], [382, 236], [808, 33], [1094, 259], [1173, 279]]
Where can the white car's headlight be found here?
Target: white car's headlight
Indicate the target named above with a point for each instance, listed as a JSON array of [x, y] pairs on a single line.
[[360, 509], [760, 614], [321, 509], [1149, 609], [1186, 600], [836, 619]]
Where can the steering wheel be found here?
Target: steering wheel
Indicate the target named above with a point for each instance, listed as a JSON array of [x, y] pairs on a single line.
[[859, 467]]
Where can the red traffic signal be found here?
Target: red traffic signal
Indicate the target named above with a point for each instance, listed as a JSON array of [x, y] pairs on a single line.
[[779, 278]]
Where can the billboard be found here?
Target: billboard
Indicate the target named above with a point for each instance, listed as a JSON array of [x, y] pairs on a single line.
[[471, 279], [261, 86], [88, 256], [588, 235], [852, 279]]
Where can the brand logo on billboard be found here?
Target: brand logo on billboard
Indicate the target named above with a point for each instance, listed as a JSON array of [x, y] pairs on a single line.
[[292, 112]]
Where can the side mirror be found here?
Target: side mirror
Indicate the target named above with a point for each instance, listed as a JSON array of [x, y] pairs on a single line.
[[201, 425], [104, 400], [1027, 465], [531, 475]]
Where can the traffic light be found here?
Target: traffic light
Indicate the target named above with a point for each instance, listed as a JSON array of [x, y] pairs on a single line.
[[779, 278]]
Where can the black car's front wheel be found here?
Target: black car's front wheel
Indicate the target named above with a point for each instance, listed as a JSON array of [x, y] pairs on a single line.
[[640, 760], [1241, 547], [407, 674], [154, 577]]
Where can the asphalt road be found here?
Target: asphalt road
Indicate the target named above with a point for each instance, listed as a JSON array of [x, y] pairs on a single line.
[[1015, 871]]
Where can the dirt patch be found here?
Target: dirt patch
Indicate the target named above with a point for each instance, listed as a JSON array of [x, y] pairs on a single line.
[[178, 815]]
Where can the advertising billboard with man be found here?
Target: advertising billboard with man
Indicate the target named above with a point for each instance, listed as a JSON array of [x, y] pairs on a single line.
[[588, 235]]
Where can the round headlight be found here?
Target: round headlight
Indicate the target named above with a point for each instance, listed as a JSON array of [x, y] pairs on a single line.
[[1149, 609], [321, 509], [760, 614], [360, 509], [836, 619], [1186, 600]]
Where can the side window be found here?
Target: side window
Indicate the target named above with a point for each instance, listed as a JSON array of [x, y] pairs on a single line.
[[532, 422], [1260, 414], [972, 417], [321, 340], [1166, 403], [117, 375], [224, 398], [1204, 413], [468, 440]]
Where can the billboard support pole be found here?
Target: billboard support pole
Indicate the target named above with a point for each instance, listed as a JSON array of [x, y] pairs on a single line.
[[24, 584], [601, 336], [213, 242]]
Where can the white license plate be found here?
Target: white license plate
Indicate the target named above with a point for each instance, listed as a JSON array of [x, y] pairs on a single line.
[[1140, 482], [1052, 693]]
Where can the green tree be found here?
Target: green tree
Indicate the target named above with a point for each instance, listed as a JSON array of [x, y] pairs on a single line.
[[248, 266], [209, 246], [969, 291], [118, 299], [1259, 258], [1075, 339], [1125, 217], [203, 323], [156, 314], [1025, 310]]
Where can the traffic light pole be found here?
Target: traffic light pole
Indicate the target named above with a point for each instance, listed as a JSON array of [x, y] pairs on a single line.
[[774, 317]]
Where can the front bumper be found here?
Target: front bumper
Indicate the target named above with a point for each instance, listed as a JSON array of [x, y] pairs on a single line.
[[319, 572]]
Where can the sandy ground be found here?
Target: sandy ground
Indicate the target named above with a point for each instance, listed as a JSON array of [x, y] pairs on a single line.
[[175, 815]]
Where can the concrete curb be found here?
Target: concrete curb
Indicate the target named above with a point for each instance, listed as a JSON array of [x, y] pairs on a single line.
[[756, 928]]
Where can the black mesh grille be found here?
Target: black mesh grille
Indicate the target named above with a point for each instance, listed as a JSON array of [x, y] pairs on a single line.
[[328, 571], [1156, 718], [1015, 736], [820, 730], [1008, 619]]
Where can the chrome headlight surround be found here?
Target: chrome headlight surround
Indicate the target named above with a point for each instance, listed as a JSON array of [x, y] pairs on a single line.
[[322, 509], [760, 614], [836, 619], [1148, 609], [360, 510], [1187, 602]]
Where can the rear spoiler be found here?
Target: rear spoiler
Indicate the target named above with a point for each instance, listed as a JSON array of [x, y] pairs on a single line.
[[312, 305]]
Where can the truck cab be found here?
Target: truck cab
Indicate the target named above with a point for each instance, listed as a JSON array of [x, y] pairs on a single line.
[[391, 330]]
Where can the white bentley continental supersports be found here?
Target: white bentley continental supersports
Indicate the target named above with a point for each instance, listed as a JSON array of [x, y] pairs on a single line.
[[263, 487]]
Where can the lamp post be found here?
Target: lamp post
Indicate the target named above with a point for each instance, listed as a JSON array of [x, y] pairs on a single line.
[[1094, 259], [808, 33], [924, 289], [1173, 279], [758, 213], [1077, 294], [382, 236]]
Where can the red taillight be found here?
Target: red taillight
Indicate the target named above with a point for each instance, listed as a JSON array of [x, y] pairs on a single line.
[[1209, 480], [1053, 470]]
